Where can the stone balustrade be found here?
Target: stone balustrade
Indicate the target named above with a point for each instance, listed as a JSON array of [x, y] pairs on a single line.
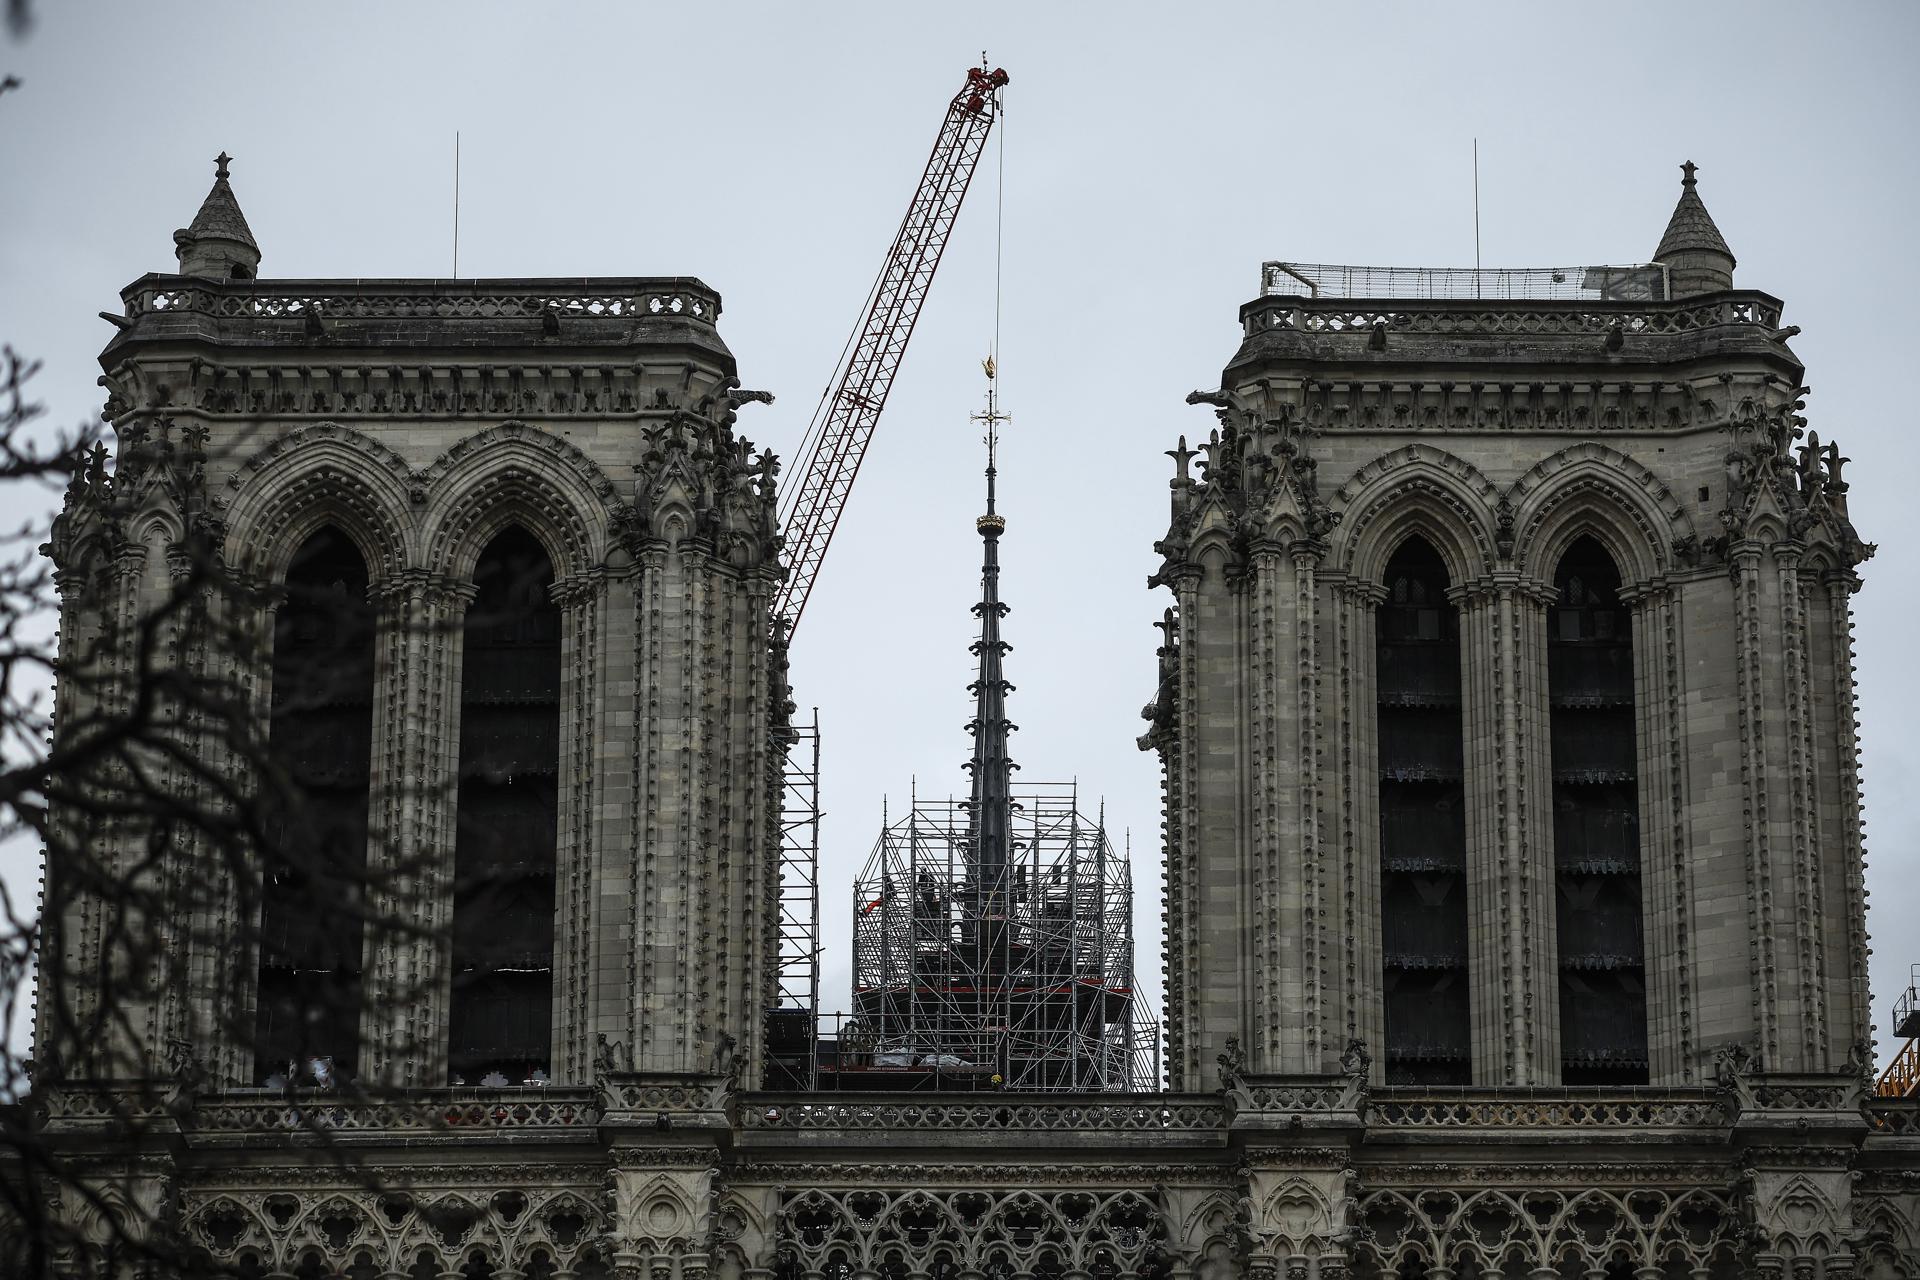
[[328, 300]]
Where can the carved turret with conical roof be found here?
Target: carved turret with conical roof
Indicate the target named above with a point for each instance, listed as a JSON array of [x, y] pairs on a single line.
[[219, 242], [1693, 250]]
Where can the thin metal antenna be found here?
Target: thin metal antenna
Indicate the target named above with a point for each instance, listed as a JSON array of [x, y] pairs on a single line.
[[1476, 217], [456, 204]]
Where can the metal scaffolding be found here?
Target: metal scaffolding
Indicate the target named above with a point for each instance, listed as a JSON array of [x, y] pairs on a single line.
[[1026, 975], [791, 1023]]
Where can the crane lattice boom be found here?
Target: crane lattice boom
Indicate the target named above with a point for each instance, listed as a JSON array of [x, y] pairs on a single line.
[[837, 439]]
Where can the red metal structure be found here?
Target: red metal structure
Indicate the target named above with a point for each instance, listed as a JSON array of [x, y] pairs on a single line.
[[837, 438]]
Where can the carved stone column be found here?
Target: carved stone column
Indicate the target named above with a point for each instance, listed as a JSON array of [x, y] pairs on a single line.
[[1803, 816], [1352, 835], [1322, 1042], [690, 948], [1757, 757], [416, 750], [1272, 965], [1510, 869], [1191, 948], [102, 1030], [583, 693], [1852, 1023], [223, 967], [1284, 873], [1666, 872]]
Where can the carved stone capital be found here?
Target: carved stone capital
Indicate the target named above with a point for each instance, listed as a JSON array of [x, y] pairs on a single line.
[[578, 589], [1637, 596], [418, 586], [1368, 595]]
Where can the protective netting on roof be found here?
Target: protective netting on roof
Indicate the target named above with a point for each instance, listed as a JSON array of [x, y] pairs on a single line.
[[1635, 283]]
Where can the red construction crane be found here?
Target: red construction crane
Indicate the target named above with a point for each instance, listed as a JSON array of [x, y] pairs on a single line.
[[836, 439]]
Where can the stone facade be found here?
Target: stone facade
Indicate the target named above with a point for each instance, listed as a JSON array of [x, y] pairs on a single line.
[[421, 418]]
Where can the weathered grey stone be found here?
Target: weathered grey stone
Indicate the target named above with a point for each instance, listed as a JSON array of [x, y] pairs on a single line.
[[421, 417]]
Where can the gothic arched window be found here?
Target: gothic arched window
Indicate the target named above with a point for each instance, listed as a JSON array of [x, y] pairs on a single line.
[[500, 1020], [1596, 824], [314, 869], [1423, 834]]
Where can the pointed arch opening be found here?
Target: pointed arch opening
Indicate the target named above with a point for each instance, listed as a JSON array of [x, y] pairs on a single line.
[[500, 1015], [1596, 823], [314, 868], [1423, 834]]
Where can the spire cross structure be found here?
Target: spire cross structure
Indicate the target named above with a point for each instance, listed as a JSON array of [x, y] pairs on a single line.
[[992, 417], [220, 163]]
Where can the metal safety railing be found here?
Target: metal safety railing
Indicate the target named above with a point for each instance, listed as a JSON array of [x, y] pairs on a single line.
[[1640, 282]]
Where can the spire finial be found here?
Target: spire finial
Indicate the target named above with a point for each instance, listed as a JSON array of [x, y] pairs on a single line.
[[220, 163], [1688, 169]]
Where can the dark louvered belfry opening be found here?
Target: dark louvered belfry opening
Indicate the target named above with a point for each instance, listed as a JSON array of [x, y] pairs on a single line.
[[314, 869], [1423, 834], [1596, 824], [500, 1018]]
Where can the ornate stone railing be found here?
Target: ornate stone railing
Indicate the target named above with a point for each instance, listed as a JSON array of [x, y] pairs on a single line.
[[87, 1104], [1319, 1094], [439, 1111], [1455, 317], [1132, 1114], [1894, 1117], [1549, 1109], [1815, 1093], [626, 298], [635, 1099]]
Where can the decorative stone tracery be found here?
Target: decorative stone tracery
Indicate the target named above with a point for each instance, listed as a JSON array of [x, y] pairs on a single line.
[[1028, 1233], [1549, 1233], [525, 1231]]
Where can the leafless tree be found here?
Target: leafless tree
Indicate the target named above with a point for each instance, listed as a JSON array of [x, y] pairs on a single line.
[[185, 828]]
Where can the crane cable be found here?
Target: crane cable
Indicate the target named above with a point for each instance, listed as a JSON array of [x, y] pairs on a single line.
[[810, 440], [999, 214]]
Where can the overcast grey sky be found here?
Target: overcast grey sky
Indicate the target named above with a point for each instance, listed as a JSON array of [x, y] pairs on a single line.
[[1155, 155]]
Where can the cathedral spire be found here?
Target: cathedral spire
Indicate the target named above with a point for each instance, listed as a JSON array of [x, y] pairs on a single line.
[[992, 766], [218, 242], [1693, 250]]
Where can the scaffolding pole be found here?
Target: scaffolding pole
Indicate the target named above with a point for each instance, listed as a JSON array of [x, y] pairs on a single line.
[[792, 1024]]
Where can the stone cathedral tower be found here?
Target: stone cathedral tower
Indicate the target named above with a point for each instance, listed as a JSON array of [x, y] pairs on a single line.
[[1507, 707], [509, 568], [1509, 726], [560, 465], [1515, 924]]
